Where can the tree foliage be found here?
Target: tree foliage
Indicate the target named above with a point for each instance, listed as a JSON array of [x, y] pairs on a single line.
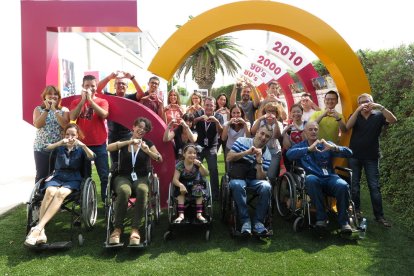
[[219, 54]]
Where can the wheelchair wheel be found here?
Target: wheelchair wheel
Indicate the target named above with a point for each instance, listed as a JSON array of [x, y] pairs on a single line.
[[89, 203], [209, 205], [172, 208], [224, 193], [156, 198], [299, 224], [33, 207], [285, 196]]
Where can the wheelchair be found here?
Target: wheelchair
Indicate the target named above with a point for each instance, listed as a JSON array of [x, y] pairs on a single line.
[[230, 214], [293, 203], [189, 213], [152, 209], [82, 205]]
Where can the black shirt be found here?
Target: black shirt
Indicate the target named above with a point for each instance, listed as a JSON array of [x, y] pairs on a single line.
[[208, 130], [118, 131], [141, 167], [365, 136]]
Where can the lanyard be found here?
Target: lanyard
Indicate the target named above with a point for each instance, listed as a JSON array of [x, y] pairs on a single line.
[[206, 126], [134, 155]]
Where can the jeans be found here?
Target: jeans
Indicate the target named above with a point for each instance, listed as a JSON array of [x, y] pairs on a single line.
[[211, 156], [124, 189], [102, 167], [260, 187], [371, 168], [331, 185], [45, 163]]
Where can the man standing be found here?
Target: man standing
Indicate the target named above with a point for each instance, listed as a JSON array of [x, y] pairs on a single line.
[[249, 107], [315, 157], [309, 107], [209, 127], [151, 98], [90, 113], [122, 79], [367, 122], [249, 161], [329, 120]]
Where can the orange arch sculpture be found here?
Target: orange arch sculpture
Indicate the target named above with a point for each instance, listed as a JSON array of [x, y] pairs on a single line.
[[296, 23]]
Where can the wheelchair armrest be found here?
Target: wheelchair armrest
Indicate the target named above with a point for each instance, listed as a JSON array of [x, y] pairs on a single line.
[[339, 168], [298, 170]]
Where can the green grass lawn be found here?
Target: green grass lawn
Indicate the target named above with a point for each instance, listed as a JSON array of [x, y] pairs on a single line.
[[383, 252]]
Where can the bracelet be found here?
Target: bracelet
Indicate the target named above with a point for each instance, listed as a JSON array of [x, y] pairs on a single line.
[[338, 119], [133, 77], [259, 163]]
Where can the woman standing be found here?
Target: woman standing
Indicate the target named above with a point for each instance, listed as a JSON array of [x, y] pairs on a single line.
[[49, 118], [135, 154], [195, 103], [173, 110]]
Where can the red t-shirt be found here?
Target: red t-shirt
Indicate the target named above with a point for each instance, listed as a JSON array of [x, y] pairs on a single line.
[[92, 126]]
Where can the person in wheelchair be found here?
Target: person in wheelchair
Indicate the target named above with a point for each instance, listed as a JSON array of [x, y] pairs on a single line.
[[131, 178], [315, 157], [249, 161], [70, 154], [189, 182]]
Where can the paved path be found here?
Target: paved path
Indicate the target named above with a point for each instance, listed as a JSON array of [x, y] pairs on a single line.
[[14, 192]]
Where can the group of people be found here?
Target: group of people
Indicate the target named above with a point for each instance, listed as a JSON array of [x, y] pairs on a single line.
[[253, 133]]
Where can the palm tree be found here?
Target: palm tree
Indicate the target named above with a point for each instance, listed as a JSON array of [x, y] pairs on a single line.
[[206, 61]]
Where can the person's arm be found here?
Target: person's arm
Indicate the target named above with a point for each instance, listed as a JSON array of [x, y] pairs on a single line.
[[246, 126], [168, 133], [89, 153], [256, 97], [337, 151], [286, 139], [118, 145], [389, 117], [341, 121], [352, 120], [100, 111], [224, 134], [74, 113], [233, 94], [276, 130], [177, 182], [319, 118], [39, 120], [203, 170], [298, 151], [191, 136], [102, 83], [256, 125], [260, 173], [234, 156], [151, 152], [140, 92], [52, 146], [161, 111]]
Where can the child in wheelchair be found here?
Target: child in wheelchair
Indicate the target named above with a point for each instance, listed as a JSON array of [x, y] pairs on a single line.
[[70, 154], [189, 182]]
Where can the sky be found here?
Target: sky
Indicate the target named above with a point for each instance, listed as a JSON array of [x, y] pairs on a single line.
[[363, 24]]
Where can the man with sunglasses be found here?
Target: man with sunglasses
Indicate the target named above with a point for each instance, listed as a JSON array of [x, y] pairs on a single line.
[[367, 123]]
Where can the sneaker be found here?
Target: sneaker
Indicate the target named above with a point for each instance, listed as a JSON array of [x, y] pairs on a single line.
[[246, 228], [42, 237], [383, 222], [321, 224], [346, 228], [259, 228]]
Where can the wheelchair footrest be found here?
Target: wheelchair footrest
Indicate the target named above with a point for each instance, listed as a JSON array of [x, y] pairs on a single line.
[[141, 245], [53, 246], [117, 245]]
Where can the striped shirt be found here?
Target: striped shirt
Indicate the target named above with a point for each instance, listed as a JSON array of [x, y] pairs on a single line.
[[243, 144]]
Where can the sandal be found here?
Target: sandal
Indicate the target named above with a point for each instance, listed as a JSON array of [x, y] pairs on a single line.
[[135, 238], [115, 236], [201, 219], [383, 222], [179, 219], [30, 240], [42, 237]]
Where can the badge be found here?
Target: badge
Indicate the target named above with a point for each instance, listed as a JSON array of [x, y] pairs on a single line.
[[134, 176], [325, 171], [206, 142]]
